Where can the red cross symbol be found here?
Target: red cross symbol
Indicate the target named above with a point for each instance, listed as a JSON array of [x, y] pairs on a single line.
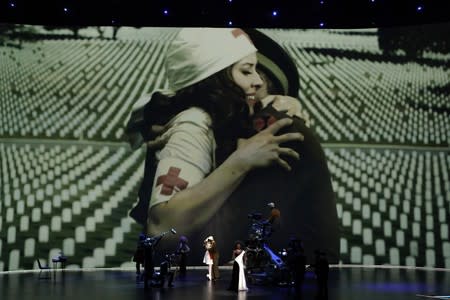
[[238, 32], [271, 120], [261, 123], [170, 181]]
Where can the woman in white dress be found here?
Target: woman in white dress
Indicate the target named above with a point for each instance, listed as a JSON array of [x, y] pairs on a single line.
[[238, 282], [208, 258], [242, 283]]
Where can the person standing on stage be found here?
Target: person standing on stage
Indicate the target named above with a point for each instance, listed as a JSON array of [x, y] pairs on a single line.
[[215, 255], [238, 281], [321, 268], [139, 255], [296, 261], [211, 258], [182, 251]]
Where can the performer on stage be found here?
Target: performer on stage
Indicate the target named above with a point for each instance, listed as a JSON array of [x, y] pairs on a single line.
[[296, 261], [139, 255], [321, 268], [275, 213], [238, 248], [182, 251], [238, 281], [211, 258], [273, 221]]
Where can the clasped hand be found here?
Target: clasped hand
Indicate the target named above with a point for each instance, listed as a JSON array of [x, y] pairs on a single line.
[[263, 149]]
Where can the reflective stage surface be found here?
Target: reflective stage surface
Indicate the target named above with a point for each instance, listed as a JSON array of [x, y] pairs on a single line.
[[344, 283]]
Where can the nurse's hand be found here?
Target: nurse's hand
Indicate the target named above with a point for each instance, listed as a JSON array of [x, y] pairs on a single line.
[[263, 149]]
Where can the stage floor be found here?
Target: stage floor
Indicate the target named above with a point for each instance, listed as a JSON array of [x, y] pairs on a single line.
[[344, 283]]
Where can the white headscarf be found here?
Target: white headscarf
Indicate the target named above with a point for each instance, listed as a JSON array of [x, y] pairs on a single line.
[[194, 55], [197, 53]]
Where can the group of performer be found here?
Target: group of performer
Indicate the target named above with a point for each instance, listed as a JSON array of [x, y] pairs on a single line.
[[293, 268], [144, 257], [294, 259]]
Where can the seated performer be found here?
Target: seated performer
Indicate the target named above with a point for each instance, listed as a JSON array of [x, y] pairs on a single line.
[[273, 221]]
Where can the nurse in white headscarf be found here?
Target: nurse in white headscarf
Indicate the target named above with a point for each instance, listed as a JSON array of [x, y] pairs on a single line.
[[211, 74]]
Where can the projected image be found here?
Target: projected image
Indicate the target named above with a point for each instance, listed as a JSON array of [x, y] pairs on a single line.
[[226, 151], [105, 135]]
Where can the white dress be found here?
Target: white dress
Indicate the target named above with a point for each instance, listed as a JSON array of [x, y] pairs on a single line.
[[242, 284], [207, 258]]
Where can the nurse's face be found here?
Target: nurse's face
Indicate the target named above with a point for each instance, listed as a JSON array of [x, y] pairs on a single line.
[[245, 76]]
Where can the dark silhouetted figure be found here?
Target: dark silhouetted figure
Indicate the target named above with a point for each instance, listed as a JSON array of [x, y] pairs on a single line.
[[215, 267], [297, 263], [149, 267], [182, 251], [165, 273], [321, 268], [149, 245], [159, 279], [139, 255]]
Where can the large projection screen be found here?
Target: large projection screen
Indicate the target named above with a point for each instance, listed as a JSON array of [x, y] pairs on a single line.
[[378, 101]]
